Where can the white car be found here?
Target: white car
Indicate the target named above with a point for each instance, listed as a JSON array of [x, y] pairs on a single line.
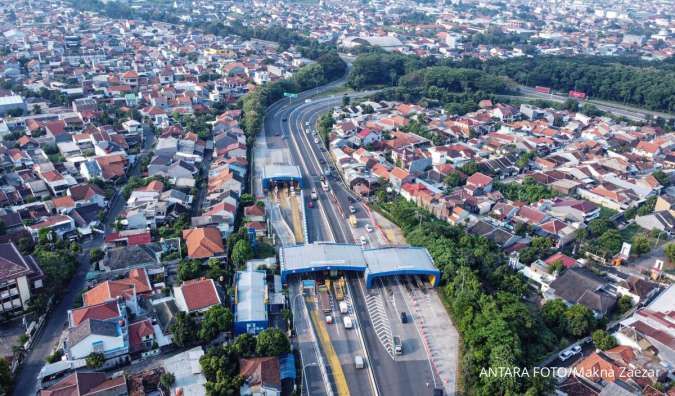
[[569, 352], [369, 228], [363, 240], [347, 321], [316, 140], [352, 209]]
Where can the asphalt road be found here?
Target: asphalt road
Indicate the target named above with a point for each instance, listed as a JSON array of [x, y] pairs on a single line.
[[391, 377], [632, 113], [25, 382]]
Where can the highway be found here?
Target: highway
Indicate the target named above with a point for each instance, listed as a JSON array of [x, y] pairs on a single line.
[[327, 221], [632, 113]]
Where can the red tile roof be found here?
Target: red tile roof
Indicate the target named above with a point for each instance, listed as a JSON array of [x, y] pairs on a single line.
[[104, 311], [203, 242], [199, 294]]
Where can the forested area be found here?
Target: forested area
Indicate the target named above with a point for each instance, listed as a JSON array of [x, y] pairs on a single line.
[[646, 85], [485, 298], [629, 80]]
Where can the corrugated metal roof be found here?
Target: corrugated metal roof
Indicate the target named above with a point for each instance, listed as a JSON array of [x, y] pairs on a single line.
[[251, 289]]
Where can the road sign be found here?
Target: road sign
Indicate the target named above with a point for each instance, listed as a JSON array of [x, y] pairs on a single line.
[[290, 95]]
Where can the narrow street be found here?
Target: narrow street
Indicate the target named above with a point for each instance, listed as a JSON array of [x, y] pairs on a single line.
[[25, 381]]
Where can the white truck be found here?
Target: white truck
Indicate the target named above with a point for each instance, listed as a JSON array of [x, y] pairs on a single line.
[[344, 308], [347, 322], [398, 347]]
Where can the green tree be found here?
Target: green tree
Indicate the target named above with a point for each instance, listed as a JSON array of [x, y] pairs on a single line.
[[245, 345], [610, 241], [669, 251], [578, 320], [215, 270], [189, 269], [167, 380], [241, 252], [221, 369], [598, 226], [95, 255], [217, 319], [603, 340], [345, 100], [183, 330], [624, 304], [5, 377], [95, 360], [553, 313], [272, 342], [641, 244], [662, 177], [453, 180]]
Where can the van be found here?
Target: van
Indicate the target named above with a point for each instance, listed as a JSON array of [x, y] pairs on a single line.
[[359, 363], [347, 321], [344, 308]]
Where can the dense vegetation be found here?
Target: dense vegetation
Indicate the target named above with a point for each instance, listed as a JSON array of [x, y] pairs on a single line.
[[486, 301], [628, 80], [652, 87], [221, 364], [328, 67], [528, 191]]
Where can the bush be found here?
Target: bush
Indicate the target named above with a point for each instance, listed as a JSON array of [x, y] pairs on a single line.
[[603, 340], [95, 360]]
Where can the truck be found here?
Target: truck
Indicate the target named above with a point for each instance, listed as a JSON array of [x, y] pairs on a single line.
[[340, 289], [359, 363], [324, 302], [398, 347], [347, 322], [344, 308]]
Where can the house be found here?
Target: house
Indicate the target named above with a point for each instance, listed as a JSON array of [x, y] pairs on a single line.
[[20, 276], [137, 283], [254, 213], [84, 194], [662, 221], [650, 329], [88, 384], [203, 242], [581, 286], [98, 336], [367, 136], [397, 177], [478, 184], [196, 296], [61, 225], [110, 310], [142, 339], [261, 376], [121, 259]]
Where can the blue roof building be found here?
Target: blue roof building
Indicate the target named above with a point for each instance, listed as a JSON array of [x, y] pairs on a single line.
[[250, 299]]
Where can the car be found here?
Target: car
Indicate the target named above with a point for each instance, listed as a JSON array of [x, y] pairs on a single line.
[[278, 133], [569, 352], [352, 209], [284, 119], [404, 317], [316, 140], [369, 228], [307, 123], [310, 204], [329, 319], [351, 199], [322, 161], [363, 240]]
